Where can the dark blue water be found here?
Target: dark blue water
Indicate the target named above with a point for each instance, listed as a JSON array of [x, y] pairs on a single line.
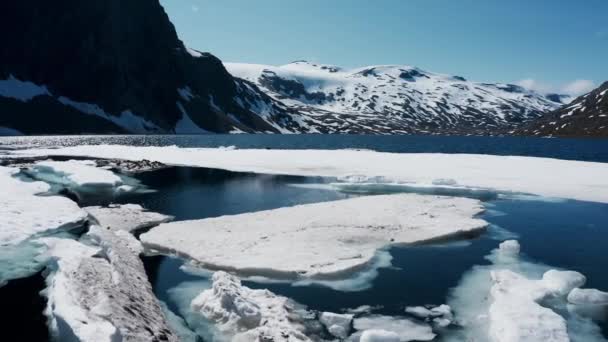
[[575, 149], [566, 234]]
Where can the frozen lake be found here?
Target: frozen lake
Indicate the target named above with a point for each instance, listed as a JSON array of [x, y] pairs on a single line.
[[553, 233]]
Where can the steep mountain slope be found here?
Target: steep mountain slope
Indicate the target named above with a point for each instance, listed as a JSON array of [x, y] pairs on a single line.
[[393, 99], [72, 66], [586, 116]]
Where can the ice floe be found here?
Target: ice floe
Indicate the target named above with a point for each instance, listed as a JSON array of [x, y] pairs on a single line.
[[25, 215], [127, 217], [379, 335], [515, 313], [588, 297], [321, 241], [387, 328], [337, 324], [100, 292], [78, 172], [440, 315], [540, 176], [514, 299], [243, 314]]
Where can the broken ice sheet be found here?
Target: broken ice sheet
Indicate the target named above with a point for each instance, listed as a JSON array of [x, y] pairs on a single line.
[[321, 241], [83, 180], [502, 302], [25, 216]]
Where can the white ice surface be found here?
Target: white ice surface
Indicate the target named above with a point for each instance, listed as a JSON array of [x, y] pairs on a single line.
[[405, 329], [321, 240], [588, 297], [127, 217], [378, 335], [243, 314], [540, 176], [79, 172], [24, 214], [337, 324], [516, 315], [100, 292], [502, 302]]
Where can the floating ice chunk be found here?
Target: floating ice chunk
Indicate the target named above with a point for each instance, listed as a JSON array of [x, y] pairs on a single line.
[[440, 315], [322, 240], [363, 309], [418, 311], [516, 316], [500, 302], [127, 217], [101, 292], [509, 248], [573, 179], [562, 282], [81, 173], [25, 216], [337, 324], [588, 297], [403, 328], [377, 335], [244, 314]]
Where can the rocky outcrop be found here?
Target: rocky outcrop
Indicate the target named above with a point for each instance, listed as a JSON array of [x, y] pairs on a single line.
[[586, 116], [114, 66]]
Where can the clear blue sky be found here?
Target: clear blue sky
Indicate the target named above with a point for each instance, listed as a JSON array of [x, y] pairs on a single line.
[[547, 43]]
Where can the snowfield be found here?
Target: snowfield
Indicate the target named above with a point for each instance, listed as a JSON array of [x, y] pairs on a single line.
[[586, 181], [322, 240]]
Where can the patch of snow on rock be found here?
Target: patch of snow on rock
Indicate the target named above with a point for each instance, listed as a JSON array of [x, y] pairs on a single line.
[[21, 90]]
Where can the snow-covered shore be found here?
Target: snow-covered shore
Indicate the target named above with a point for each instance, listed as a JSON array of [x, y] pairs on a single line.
[[322, 240], [547, 177]]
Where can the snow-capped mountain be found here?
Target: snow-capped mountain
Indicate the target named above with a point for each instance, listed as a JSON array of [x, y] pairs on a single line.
[[392, 99], [587, 115], [116, 66]]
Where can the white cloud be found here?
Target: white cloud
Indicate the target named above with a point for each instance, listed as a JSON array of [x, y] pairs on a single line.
[[535, 85], [574, 88], [195, 8], [578, 87]]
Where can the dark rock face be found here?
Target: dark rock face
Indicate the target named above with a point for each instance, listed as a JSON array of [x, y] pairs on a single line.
[[586, 116], [119, 55]]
